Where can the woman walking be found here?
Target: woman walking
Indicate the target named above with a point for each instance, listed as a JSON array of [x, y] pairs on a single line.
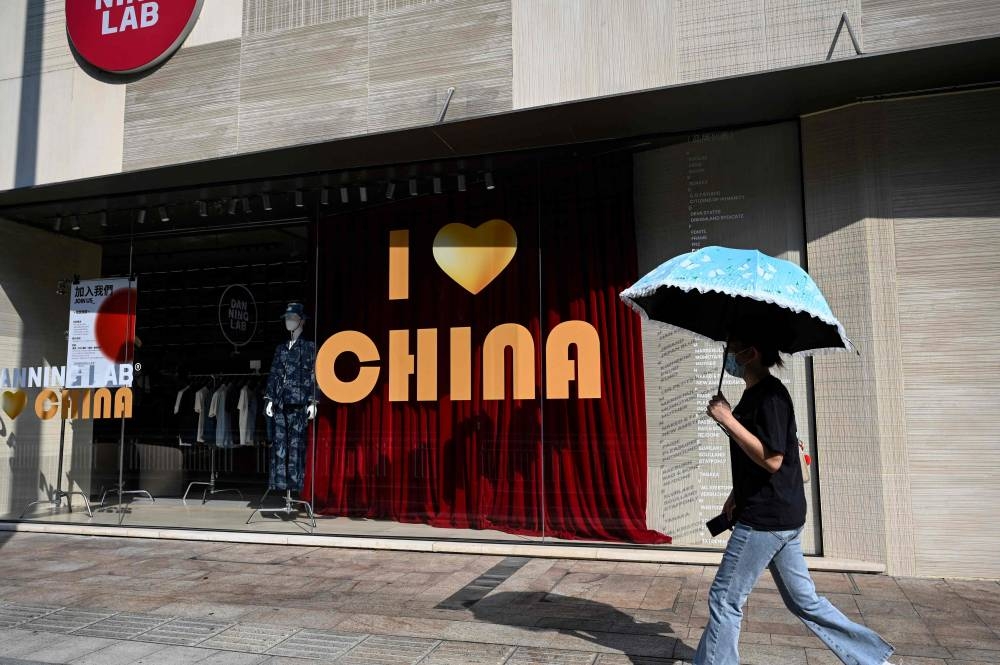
[[768, 507]]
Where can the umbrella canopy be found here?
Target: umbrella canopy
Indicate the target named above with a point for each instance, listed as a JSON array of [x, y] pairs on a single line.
[[705, 291]]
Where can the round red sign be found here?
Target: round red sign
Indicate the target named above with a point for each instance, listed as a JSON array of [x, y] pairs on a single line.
[[126, 36]]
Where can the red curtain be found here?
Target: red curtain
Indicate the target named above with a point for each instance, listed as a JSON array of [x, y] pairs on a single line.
[[571, 468]]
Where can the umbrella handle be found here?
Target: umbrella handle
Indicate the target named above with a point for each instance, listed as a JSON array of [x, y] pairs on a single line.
[[718, 390], [722, 372]]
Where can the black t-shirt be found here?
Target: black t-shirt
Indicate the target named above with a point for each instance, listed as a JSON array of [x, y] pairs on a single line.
[[766, 501]]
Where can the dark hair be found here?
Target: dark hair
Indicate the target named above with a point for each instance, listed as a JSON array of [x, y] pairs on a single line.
[[761, 336]]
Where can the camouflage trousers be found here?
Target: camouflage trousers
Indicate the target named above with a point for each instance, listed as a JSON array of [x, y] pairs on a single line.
[[288, 449]]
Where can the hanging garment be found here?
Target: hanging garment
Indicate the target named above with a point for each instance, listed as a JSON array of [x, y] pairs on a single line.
[[247, 407], [184, 418], [201, 405], [223, 436], [288, 448]]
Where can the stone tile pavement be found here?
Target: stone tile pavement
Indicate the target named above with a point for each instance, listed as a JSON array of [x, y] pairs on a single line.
[[124, 601]]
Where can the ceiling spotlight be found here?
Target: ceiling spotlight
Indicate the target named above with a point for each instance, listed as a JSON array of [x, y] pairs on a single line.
[[246, 206], [103, 217], [344, 196], [363, 192], [163, 214], [324, 196], [140, 216], [75, 224], [232, 206], [489, 180], [57, 225], [265, 200], [437, 185], [390, 190], [461, 182], [413, 186], [202, 209], [298, 198]]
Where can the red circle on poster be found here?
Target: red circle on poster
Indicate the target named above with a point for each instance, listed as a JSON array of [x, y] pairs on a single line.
[[126, 36], [115, 326]]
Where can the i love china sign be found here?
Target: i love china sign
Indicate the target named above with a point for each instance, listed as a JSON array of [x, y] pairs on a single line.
[[128, 36]]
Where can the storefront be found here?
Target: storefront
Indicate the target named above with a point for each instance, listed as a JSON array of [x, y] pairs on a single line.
[[476, 378]]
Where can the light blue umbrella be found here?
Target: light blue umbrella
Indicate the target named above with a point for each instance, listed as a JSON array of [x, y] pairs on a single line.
[[705, 291]]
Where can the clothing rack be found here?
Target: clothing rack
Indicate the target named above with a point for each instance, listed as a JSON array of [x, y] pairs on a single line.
[[213, 474]]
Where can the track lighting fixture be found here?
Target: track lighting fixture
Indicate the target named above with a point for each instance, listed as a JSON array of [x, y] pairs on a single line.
[[324, 196], [437, 185], [265, 200], [489, 180], [140, 216], [390, 190], [202, 209], [246, 205], [103, 218], [57, 225], [75, 224], [344, 195], [163, 214], [232, 206], [461, 182], [298, 198], [363, 193], [413, 186]]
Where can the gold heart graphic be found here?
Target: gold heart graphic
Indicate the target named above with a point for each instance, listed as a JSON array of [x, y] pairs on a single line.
[[13, 402], [474, 257]]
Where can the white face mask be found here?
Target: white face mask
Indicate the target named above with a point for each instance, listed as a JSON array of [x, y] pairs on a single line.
[[292, 323]]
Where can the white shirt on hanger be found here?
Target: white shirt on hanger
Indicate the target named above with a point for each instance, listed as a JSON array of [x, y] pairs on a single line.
[[201, 404]]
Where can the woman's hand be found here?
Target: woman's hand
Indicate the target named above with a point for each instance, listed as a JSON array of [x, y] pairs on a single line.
[[719, 409]]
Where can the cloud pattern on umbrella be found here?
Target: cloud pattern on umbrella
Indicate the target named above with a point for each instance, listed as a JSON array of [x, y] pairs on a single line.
[[738, 273]]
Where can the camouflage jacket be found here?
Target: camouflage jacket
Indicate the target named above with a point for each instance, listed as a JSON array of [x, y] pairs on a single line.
[[293, 377]]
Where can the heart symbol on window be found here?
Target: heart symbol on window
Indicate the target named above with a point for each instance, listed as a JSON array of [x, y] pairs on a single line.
[[13, 402], [474, 257]]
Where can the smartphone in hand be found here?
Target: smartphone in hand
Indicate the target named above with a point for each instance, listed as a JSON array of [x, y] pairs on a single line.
[[718, 524]]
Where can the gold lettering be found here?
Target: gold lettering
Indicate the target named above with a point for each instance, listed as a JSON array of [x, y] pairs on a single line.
[[102, 403], [519, 340], [560, 369], [347, 392], [401, 365], [70, 402], [44, 408], [399, 265], [461, 364], [123, 403]]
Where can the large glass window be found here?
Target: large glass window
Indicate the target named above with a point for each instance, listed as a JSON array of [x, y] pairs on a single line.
[[476, 374]]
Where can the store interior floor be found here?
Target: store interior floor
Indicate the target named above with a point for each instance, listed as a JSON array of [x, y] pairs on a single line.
[[231, 514]]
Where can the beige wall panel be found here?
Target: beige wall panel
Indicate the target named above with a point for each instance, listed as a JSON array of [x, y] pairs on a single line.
[[418, 52], [218, 21], [899, 24], [261, 16], [33, 321], [304, 85], [860, 430], [573, 49], [946, 197], [186, 110], [33, 38], [719, 38], [60, 125], [800, 32]]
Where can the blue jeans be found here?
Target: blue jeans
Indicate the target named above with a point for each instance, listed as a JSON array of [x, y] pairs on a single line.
[[748, 553]]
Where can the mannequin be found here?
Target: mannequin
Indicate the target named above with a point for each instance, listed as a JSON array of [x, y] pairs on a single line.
[[290, 400]]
